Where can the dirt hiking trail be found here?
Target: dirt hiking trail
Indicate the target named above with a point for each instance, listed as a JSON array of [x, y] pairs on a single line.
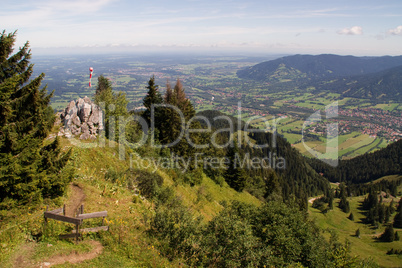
[[23, 258]]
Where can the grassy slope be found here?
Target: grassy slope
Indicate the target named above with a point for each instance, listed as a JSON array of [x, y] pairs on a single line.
[[366, 246], [126, 244]]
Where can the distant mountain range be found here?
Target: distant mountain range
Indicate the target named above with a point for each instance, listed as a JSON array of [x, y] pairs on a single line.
[[383, 85], [362, 77]]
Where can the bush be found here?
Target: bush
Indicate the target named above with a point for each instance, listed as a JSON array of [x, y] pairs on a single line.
[[176, 229], [194, 177], [319, 203], [148, 183], [165, 195], [388, 235], [228, 241]]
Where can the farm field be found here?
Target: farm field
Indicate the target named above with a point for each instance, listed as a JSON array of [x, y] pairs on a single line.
[[349, 145], [211, 83]]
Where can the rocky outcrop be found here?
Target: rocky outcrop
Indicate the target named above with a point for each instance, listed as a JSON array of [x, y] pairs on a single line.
[[82, 118]]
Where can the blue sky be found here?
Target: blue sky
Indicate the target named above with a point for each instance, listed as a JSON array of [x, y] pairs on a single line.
[[343, 27]]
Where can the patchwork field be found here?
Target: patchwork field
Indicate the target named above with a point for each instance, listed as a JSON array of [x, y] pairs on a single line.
[[212, 83]]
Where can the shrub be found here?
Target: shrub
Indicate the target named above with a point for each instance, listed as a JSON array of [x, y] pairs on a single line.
[[148, 183], [165, 195], [388, 235], [176, 229]]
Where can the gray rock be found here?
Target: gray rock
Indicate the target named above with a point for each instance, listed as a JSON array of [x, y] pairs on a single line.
[[87, 100], [76, 120], [84, 128], [82, 117], [85, 136], [85, 112]]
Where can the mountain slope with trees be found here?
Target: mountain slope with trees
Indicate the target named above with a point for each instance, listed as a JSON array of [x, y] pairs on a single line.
[[317, 67], [294, 176], [381, 85], [364, 168]]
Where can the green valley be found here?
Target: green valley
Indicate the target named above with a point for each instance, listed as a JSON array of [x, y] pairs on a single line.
[[199, 161]]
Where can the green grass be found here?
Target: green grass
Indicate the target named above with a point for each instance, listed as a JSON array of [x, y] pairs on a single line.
[[125, 244], [388, 106], [364, 247], [349, 145]]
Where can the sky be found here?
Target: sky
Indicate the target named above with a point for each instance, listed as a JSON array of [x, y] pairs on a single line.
[[353, 27]]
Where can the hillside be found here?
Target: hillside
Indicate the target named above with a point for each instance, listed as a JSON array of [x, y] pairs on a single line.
[[383, 85], [309, 67], [367, 244], [364, 168], [296, 177], [106, 182]]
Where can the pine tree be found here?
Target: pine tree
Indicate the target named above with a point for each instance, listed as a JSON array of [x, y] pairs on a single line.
[[331, 201], [391, 207], [273, 189], [351, 217], [388, 235], [153, 97], [28, 170], [235, 175], [387, 215], [381, 213], [357, 233], [344, 204], [174, 124], [114, 105], [104, 85], [398, 216]]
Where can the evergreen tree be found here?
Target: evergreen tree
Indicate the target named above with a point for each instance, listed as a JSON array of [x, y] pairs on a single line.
[[381, 213], [331, 201], [173, 124], [28, 170], [235, 175], [371, 201], [388, 235], [391, 207], [396, 236], [357, 233], [344, 204], [273, 189], [387, 215], [351, 217], [104, 85], [114, 105], [153, 97], [398, 216]]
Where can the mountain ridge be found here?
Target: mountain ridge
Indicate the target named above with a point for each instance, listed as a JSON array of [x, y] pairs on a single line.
[[319, 66], [385, 84]]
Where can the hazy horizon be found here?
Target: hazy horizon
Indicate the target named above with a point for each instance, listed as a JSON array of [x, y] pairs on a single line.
[[361, 28]]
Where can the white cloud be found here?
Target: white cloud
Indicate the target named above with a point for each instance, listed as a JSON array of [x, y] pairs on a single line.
[[355, 30], [396, 31]]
